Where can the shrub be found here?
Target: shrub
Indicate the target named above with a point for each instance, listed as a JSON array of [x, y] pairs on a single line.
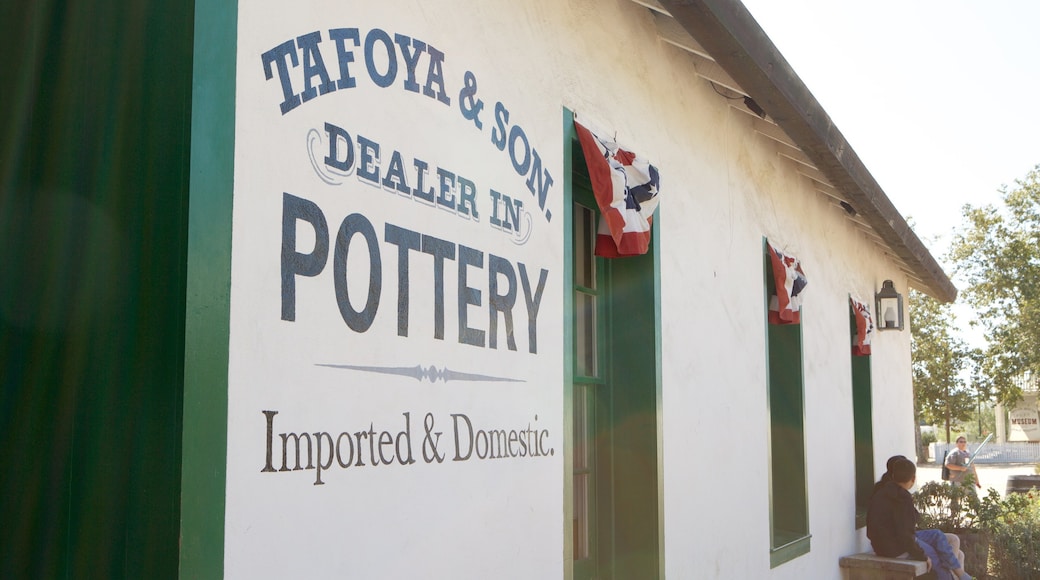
[[1009, 526], [1015, 539], [957, 508]]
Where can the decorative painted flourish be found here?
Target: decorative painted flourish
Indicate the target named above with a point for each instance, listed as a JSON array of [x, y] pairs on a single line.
[[430, 373]]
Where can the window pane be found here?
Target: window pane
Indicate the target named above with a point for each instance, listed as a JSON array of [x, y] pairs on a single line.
[[584, 244], [582, 469], [585, 357], [581, 516], [581, 427]]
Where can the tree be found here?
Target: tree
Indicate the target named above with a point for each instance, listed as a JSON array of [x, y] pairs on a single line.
[[985, 393], [938, 359], [998, 253]]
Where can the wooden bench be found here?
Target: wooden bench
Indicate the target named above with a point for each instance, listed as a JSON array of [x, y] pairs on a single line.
[[870, 566]]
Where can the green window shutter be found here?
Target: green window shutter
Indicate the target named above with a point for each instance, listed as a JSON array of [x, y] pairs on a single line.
[[788, 494]]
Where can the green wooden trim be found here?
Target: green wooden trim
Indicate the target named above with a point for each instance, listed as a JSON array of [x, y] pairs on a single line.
[[655, 241], [861, 519], [207, 314], [597, 389], [568, 349], [769, 431], [790, 551]]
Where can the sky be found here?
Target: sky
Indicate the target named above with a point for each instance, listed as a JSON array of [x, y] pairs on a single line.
[[941, 100]]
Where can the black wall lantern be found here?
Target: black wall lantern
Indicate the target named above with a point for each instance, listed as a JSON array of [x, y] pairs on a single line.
[[889, 305]]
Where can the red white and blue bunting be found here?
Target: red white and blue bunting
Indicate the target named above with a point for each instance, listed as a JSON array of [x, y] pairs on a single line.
[[626, 189], [864, 327], [785, 306]]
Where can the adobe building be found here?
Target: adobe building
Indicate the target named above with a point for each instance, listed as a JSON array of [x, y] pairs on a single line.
[[317, 289]]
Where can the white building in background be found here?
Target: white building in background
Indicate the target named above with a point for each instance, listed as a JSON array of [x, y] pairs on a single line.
[[1023, 421], [430, 374]]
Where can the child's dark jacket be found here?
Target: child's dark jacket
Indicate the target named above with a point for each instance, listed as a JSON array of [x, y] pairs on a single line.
[[892, 521]]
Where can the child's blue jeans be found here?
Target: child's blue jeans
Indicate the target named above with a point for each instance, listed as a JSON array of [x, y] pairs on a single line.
[[940, 552]]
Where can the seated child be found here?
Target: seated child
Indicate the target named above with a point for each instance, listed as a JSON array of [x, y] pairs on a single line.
[[926, 536], [892, 519]]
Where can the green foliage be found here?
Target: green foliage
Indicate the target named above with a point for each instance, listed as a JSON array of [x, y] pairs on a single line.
[[957, 508], [1015, 539], [984, 423], [938, 357], [1010, 525], [998, 252], [928, 437]]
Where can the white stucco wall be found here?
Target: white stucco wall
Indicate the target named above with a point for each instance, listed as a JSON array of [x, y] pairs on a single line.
[[724, 189]]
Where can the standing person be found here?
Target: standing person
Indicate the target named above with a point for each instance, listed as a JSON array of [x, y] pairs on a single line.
[[957, 462], [891, 525]]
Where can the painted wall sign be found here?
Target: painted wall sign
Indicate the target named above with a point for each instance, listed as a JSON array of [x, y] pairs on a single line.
[[1024, 422], [395, 373], [384, 58]]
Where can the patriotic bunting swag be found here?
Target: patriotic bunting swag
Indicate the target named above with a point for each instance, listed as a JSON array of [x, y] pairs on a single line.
[[625, 186], [864, 328], [785, 306]]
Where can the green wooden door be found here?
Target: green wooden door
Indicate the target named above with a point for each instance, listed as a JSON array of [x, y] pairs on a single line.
[[94, 169]]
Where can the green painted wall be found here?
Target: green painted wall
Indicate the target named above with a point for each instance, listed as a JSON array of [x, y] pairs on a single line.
[[94, 147]]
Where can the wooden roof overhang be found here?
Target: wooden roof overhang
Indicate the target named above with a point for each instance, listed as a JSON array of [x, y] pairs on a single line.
[[733, 52]]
